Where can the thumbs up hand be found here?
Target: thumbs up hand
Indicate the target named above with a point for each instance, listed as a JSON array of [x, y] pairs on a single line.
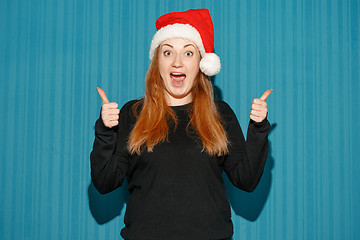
[[109, 111], [259, 107]]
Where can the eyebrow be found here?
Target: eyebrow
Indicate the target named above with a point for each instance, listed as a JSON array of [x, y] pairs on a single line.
[[167, 45], [187, 45], [190, 44]]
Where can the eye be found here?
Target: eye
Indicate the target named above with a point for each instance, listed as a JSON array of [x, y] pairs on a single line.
[[167, 53], [189, 53]]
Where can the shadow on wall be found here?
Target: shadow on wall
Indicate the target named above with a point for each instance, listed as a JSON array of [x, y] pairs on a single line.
[[250, 205], [105, 207], [216, 89]]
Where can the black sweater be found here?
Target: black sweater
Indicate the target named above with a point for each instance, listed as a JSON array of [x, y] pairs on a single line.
[[177, 191]]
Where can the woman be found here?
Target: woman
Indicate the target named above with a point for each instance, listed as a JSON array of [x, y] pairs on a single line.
[[173, 144]]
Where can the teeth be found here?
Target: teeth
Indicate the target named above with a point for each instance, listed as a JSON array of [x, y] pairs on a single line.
[[177, 74]]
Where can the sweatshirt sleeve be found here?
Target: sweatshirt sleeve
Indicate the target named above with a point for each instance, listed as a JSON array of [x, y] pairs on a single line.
[[109, 157], [245, 161]]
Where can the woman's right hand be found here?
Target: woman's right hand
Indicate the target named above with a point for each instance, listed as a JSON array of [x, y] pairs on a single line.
[[109, 111]]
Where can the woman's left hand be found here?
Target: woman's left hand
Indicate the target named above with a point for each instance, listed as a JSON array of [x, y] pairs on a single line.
[[259, 107]]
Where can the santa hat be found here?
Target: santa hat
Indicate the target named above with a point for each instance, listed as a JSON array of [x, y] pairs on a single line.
[[195, 25]]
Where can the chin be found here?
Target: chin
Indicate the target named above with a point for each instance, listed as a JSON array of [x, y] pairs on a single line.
[[179, 94]]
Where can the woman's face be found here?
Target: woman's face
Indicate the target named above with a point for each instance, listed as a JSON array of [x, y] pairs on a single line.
[[179, 65]]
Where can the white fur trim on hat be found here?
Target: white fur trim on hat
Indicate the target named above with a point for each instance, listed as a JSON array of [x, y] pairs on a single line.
[[210, 64], [176, 30]]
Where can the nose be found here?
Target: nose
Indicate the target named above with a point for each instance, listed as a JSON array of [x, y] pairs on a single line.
[[177, 63]]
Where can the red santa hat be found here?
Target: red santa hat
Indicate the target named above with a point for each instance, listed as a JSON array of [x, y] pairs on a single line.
[[195, 25]]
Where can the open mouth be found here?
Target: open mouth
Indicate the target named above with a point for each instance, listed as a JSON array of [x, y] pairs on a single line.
[[177, 78]]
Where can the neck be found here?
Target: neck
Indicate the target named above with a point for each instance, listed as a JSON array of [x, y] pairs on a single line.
[[173, 101]]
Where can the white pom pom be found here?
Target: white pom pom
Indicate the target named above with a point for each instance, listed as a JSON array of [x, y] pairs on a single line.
[[210, 64]]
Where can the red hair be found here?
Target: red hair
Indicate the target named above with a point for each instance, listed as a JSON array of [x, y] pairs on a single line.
[[152, 127]]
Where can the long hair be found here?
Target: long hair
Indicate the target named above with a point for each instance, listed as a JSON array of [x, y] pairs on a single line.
[[153, 115]]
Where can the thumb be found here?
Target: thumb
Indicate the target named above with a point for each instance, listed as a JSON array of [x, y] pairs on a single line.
[[102, 95], [266, 94]]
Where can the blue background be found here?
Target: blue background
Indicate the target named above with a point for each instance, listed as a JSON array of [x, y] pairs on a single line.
[[53, 55]]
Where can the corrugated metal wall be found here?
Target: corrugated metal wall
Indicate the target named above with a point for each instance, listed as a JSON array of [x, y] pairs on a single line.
[[53, 55]]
